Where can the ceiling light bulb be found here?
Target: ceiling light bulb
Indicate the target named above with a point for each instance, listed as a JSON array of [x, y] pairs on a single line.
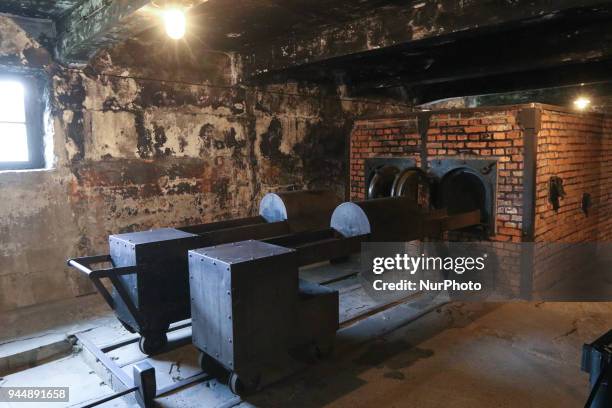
[[581, 103], [175, 22]]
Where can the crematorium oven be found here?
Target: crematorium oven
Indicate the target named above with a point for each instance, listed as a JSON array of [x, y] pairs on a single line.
[[457, 185]]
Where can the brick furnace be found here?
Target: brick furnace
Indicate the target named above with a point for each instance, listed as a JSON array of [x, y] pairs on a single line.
[[538, 173]]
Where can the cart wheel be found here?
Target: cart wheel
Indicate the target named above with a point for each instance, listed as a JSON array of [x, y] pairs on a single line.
[[240, 387], [236, 385], [152, 343]]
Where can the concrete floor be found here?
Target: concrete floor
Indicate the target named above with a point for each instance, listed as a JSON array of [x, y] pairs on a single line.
[[460, 355], [32, 335], [507, 355], [421, 352]]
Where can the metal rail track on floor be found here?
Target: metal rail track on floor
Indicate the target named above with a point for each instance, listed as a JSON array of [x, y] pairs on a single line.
[[143, 382]]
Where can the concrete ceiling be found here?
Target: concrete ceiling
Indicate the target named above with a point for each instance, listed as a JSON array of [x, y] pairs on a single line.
[[225, 25], [429, 49], [221, 24], [243, 23], [560, 48], [50, 9]]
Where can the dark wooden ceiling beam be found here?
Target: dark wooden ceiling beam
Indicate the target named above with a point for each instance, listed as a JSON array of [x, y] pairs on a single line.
[[577, 44], [394, 25], [483, 71], [526, 50], [97, 24], [572, 74]]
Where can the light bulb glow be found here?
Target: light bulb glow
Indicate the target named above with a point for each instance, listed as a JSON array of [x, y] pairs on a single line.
[[175, 22], [581, 103]]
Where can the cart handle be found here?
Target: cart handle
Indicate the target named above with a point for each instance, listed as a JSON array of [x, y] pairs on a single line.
[[83, 264]]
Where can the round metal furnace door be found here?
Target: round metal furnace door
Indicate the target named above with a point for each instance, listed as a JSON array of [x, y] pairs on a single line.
[[381, 181], [413, 183]]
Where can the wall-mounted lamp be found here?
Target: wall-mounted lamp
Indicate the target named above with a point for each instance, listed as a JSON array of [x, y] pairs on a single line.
[[581, 103], [175, 22]]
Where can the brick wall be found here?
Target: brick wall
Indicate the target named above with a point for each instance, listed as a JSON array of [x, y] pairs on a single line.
[[576, 147], [569, 146], [605, 186], [379, 138], [484, 133]]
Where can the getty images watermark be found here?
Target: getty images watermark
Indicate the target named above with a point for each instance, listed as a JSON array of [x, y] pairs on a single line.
[[412, 265], [489, 270]]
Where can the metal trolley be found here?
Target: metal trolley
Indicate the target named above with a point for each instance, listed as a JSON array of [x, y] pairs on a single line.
[[145, 281]]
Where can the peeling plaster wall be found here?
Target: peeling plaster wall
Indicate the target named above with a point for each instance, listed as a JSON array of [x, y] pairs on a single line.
[[132, 152]]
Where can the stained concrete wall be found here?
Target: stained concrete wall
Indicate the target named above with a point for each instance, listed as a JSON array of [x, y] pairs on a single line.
[[146, 137]]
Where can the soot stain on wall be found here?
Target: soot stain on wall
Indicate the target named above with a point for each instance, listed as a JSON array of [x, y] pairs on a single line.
[[159, 140], [322, 150], [206, 134], [138, 154], [144, 144], [70, 97], [270, 146]]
